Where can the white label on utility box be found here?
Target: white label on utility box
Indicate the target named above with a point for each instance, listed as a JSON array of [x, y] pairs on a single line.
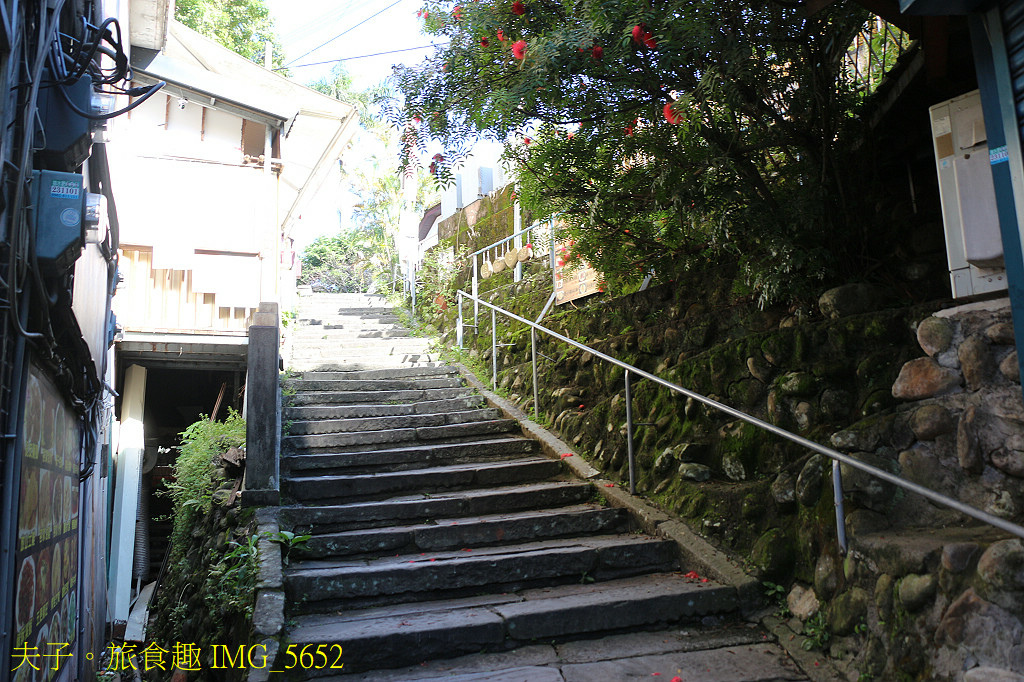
[[64, 189]]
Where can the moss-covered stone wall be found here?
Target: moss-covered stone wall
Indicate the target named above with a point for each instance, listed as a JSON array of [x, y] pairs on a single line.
[[915, 593], [206, 597]]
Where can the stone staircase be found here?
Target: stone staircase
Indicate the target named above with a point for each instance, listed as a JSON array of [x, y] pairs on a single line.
[[351, 332], [437, 528]]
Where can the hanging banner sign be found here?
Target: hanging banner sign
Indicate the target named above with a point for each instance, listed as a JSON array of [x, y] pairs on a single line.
[[574, 279]]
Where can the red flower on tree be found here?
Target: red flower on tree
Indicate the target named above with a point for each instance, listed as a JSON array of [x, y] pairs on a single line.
[[597, 52], [501, 34], [483, 42], [519, 49], [526, 140], [457, 13], [641, 36], [518, 8], [671, 115]]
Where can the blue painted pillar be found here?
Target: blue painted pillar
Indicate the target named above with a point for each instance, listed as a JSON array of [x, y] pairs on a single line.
[[1007, 163]]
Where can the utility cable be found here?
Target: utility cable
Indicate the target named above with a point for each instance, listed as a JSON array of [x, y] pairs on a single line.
[[364, 56], [348, 30]]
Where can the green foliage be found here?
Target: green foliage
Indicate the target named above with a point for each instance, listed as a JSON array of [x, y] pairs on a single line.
[[342, 263], [363, 256], [438, 275], [776, 594], [756, 165], [208, 593], [816, 632], [288, 541], [339, 86], [242, 26], [232, 580], [195, 474]]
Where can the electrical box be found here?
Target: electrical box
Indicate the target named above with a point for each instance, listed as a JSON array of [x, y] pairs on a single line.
[[974, 245], [58, 219], [66, 136]]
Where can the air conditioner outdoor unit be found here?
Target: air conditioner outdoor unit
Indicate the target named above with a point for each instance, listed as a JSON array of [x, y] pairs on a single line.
[[974, 245]]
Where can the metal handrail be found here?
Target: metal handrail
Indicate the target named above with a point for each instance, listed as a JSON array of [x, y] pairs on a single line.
[[836, 456], [475, 274]]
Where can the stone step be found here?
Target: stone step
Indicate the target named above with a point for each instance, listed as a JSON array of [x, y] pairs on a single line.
[[408, 634], [726, 650], [308, 413], [363, 362], [344, 296], [352, 385], [326, 398], [342, 360], [337, 341], [341, 327], [451, 534], [410, 457], [350, 307], [329, 325], [421, 508], [321, 489], [330, 316], [384, 347], [329, 585], [352, 323], [420, 433], [399, 421], [381, 373]]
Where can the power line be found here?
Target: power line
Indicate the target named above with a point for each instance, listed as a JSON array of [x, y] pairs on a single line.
[[362, 56], [348, 30], [323, 23]]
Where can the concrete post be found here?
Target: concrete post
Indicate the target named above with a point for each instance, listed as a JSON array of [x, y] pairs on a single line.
[[128, 474], [263, 411]]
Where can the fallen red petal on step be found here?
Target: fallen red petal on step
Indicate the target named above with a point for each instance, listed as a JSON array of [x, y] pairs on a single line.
[[676, 679], [609, 485], [433, 559], [692, 575], [566, 454]]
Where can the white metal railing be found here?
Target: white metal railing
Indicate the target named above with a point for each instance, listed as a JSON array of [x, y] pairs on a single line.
[[515, 238], [837, 458]]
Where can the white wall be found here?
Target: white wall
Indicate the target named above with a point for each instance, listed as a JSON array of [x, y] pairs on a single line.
[[182, 186], [481, 174]]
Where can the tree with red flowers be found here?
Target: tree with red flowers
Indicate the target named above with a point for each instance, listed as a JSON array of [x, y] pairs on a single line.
[[699, 127]]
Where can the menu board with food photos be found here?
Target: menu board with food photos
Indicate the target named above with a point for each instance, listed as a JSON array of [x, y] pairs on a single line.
[[45, 614]]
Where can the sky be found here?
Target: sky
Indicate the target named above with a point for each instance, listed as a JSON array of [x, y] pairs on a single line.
[[305, 25]]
